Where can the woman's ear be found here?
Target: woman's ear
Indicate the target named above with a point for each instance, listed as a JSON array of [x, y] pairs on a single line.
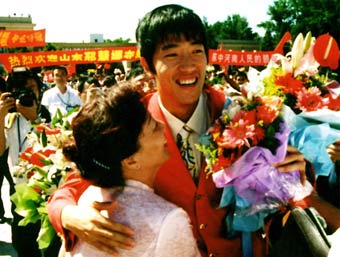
[[131, 163]]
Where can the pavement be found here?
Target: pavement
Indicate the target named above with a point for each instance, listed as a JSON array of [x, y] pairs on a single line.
[[6, 248]]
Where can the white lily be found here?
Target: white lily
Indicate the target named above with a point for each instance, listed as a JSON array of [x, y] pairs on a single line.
[[297, 51]]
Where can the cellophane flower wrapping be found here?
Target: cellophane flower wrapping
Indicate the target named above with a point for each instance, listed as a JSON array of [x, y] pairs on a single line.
[[256, 188], [240, 149], [311, 98], [42, 168], [311, 133]]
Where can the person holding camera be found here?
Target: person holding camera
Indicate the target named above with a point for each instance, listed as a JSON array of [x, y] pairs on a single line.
[[19, 110], [4, 170]]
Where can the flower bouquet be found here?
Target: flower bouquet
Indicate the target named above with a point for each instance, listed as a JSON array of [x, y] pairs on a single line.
[[41, 169], [312, 99], [297, 78], [240, 149]]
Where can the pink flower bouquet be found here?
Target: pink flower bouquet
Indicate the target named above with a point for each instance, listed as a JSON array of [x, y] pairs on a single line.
[[240, 149]]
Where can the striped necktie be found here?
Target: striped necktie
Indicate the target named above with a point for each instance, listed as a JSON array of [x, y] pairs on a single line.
[[186, 150]]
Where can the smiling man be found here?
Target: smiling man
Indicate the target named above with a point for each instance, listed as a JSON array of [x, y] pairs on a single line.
[[173, 48]]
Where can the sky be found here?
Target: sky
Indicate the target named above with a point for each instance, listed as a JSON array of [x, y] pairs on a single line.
[[74, 20]]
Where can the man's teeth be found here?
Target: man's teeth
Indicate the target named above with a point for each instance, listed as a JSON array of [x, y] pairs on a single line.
[[187, 82]]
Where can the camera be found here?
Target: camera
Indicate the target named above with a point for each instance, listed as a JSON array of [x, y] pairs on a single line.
[[16, 85], [25, 96]]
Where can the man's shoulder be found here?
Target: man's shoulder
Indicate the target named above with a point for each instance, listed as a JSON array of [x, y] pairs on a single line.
[[71, 89], [49, 91], [73, 92], [216, 98], [214, 92]]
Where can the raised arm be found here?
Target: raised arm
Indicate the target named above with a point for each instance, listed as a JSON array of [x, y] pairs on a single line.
[[71, 221]]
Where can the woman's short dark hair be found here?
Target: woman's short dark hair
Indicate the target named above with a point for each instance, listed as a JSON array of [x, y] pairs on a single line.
[[106, 131], [168, 22]]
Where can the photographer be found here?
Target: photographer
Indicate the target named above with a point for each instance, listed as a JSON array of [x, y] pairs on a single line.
[[4, 170], [19, 109]]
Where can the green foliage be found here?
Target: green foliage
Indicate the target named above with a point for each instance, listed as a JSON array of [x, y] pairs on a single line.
[[300, 16], [208, 149], [120, 41], [33, 210], [234, 27], [270, 141], [50, 47]]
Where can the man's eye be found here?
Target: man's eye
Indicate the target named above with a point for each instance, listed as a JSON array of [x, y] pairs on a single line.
[[198, 51], [171, 55]]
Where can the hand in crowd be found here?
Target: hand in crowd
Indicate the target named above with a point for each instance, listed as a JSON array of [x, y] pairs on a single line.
[[333, 151], [93, 227], [293, 161], [6, 103], [30, 113]]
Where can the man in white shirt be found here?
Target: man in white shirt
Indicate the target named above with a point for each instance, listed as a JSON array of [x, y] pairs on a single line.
[[61, 96]]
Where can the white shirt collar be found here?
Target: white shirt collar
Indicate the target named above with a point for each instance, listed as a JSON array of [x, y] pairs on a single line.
[[198, 120], [138, 184]]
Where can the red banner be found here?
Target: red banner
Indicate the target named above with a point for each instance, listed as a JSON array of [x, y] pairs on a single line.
[[239, 58], [22, 38], [82, 56], [246, 58]]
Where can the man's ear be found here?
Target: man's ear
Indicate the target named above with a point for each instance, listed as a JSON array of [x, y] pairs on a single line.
[[145, 66]]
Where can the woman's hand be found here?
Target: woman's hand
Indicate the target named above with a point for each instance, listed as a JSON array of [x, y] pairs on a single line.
[[293, 161], [92, 227]]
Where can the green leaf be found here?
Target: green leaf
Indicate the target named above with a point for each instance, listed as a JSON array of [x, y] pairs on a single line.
[[57, 118], [43, 138], [46, 233], [27, 202]]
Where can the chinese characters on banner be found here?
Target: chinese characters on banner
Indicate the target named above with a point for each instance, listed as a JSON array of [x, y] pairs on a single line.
[[118, 54], [82, 56], [239, 58], [22, 38]]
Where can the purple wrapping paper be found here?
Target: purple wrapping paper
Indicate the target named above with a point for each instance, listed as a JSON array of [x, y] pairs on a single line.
[[256, 181]]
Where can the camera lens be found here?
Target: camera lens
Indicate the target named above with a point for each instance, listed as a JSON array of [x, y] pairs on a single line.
[[26, 99]]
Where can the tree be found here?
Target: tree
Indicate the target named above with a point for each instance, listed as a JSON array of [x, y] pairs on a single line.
[[234, 27], [301, 16], [119, 41], [50, 47]]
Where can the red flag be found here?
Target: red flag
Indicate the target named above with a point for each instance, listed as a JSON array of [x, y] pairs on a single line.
[[326, 51], [22, 38], [279, 48]]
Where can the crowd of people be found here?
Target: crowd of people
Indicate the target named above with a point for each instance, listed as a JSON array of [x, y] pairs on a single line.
[[135, 195]]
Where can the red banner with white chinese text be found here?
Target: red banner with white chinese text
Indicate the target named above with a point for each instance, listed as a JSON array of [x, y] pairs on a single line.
[[246, 58], [22, 38], [239, 58], [82, 56]]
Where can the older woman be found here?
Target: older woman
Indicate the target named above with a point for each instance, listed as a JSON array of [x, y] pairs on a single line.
[[119, 147]]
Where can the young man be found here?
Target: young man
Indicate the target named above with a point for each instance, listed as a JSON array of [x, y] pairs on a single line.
[[173, 50], [61, 96]]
